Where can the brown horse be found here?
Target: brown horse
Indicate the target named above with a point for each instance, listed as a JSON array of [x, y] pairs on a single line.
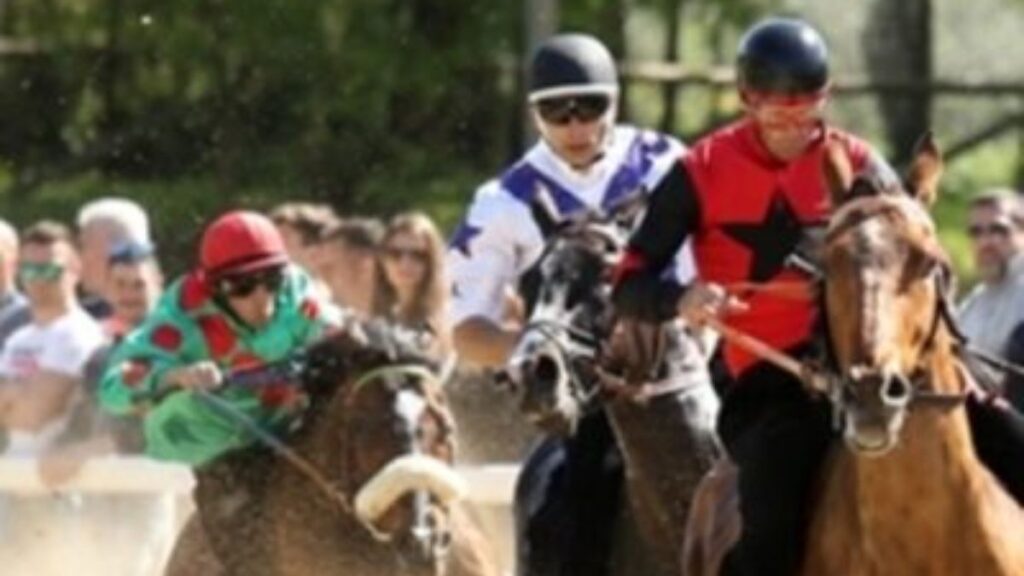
[[908, 495], [366, 486]]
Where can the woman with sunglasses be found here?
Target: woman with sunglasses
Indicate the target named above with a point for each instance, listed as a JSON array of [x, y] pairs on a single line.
[[412, 289], [246, 304], [749, 194], [583, 162]]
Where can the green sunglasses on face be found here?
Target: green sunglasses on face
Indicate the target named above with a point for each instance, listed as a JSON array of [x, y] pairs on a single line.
[[39, 271]]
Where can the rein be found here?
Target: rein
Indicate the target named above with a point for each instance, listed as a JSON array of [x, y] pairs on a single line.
[[550, 330], [329, 488], [817, 380]]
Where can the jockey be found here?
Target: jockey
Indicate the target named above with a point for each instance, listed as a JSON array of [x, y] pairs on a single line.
[[245, 305], [583, 162], [748, 194]]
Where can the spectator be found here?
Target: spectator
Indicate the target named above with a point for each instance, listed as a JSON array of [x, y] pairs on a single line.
[[302, 225], [996, 305], [349, 253], [410, 276], [14, 311], [102, 225], [135, 283], [42, 364]]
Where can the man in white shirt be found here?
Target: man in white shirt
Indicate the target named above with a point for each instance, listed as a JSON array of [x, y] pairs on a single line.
[[41, 364], [995, 306], [583, 162]]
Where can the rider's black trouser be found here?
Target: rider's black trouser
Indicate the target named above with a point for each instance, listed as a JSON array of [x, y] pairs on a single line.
[[778, 436], [566, 529], [998, 433]]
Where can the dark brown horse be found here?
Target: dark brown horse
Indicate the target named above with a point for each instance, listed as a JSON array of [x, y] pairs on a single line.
[[651, 381], [905, 492], [367, 486]]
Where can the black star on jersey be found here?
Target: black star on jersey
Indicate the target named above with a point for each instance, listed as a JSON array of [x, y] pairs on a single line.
[[771, 240]]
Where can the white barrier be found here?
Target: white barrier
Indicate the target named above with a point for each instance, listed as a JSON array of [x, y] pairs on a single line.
[[489, 484], [118, 516]]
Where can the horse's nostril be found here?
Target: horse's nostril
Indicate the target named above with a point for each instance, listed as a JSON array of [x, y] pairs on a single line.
[[896, 390], [545, 369]]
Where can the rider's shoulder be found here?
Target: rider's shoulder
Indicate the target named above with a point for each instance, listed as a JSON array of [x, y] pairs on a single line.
[[651, 141]]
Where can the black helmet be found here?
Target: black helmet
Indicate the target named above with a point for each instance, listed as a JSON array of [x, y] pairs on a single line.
[[572, 64], [781, 55]]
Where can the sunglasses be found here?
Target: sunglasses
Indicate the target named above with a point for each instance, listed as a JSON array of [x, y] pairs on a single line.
[[243, 285], [993, 229], [396, 254], [39, 271], [560, 111]]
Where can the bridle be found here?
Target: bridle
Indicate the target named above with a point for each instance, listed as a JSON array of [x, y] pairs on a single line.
[[578, 347]]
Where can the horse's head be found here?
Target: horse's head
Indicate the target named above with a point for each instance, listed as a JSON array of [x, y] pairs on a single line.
[[552, 364], [886, 283], [389, 437]]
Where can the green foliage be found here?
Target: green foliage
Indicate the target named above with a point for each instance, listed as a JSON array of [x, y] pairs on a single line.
[[325, 100]]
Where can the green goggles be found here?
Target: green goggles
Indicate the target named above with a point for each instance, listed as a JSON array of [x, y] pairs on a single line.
[[39, 271]]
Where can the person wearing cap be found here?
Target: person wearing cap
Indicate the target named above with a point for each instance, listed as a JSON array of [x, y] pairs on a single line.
[[585, 163], [245, 305], [103, 224], [749, 194]]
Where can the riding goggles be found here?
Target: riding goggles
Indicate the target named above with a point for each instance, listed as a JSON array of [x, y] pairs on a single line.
[[585, 108], [243, 285]]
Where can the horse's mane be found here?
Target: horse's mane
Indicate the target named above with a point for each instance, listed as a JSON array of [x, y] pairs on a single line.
[[359, 346]]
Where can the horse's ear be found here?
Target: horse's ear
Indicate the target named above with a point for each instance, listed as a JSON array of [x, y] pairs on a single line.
[[838, 171], [544, 211], [925, 170], [627, 212]]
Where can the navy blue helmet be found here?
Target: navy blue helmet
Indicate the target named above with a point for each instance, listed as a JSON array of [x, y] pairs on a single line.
[[782, 56]]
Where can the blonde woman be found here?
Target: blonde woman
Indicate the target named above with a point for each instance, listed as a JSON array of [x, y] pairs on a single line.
[[412, 287]]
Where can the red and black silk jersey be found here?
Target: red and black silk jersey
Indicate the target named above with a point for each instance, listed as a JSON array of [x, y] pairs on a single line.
[[745, 212]]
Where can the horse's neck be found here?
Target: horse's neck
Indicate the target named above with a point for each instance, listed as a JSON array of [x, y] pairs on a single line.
[[668, 444]]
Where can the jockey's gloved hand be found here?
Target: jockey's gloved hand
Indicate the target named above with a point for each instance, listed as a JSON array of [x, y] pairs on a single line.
[[203, 375], [702, 301]]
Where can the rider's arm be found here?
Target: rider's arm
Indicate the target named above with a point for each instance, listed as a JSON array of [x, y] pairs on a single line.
[[673, 212], [483, 342], [146, 363], [484, 259]]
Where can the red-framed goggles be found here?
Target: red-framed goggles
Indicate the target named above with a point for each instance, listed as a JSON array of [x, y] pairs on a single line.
[[786, 110]]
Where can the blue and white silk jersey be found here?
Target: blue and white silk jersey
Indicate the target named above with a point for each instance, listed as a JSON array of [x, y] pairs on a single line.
[[499, 239]]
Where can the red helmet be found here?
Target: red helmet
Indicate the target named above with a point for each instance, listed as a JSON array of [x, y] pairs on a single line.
[[241, 241]]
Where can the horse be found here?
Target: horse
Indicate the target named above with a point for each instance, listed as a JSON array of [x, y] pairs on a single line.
[[574, 357], [902, 490], [364, 486]]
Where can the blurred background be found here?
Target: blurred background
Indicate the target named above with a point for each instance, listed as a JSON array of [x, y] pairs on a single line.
[[191, 106]]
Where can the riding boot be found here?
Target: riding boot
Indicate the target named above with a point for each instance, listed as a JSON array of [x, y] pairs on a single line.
[[778, 437], [594, 488], [998, 433]]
